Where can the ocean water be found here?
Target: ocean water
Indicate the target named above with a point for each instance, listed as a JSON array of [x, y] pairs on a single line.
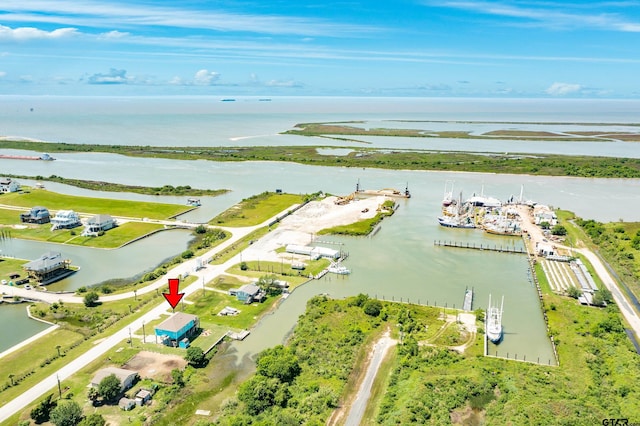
[[401, 260]]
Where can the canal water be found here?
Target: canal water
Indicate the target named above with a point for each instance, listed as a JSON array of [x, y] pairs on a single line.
[[400, 261]]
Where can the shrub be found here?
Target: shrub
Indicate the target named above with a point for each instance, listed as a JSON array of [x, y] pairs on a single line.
[[91, 299]]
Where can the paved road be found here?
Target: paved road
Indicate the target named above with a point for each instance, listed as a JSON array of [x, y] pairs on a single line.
[[207, 274], [189, 266], [359, 405], [625, 307]]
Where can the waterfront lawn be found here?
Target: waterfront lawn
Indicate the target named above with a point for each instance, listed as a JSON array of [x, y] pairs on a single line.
[[9, 217], [112, 238], [208, 305], [8, 266], [256, 270], [56, 201], [256, 209]]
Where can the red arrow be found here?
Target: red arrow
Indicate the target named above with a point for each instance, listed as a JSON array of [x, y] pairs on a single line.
[[173, 297]]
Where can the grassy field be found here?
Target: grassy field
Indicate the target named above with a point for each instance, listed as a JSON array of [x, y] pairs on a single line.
[[283, 271], [256, 209], [405, 159], [55, 201], [208, 305], [8, 266], [112, 238]]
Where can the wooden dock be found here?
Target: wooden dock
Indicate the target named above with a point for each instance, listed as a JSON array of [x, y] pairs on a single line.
[[474, 246], [468, 300]]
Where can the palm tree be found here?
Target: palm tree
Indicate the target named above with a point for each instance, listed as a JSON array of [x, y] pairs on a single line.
[[11, 376]]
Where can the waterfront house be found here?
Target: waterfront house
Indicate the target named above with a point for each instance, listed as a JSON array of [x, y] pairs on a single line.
[[177, 329], [8, 185], [98, 223], [48, 268], [65, 219], [249, 293], [127, 378], [37, 214]]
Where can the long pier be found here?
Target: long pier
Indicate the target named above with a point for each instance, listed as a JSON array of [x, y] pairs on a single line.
[[468, 300], [474, 246]]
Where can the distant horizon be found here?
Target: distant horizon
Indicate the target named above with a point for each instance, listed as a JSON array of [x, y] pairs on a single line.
[[415, 48]]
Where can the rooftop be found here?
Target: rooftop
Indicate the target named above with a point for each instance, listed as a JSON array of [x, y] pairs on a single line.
[[176, 322]]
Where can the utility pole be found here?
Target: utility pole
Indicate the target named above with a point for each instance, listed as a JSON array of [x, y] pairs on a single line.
[[59, 387], [130, 338]]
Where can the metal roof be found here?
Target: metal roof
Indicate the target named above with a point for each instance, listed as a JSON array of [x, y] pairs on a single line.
[[176, 322]]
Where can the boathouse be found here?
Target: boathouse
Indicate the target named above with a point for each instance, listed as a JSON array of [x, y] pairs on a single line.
[[177, 329], [48, 268]]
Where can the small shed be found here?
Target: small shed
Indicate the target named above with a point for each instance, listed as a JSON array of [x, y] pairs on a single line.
[[126, 404], [143, 396], [177, 327]]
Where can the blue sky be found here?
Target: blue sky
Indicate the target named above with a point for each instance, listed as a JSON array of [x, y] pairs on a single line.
[[324, 47]]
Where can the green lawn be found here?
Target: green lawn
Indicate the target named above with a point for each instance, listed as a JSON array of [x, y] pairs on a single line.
[[112, 238], [256, 209], [8, 266], [208, 306], [55, 201]]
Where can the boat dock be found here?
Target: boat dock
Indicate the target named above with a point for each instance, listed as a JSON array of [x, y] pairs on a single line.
[[474, 246], [468, 300]]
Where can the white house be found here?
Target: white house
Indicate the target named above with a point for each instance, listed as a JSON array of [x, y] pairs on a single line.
[[8, 185], [98, 223], [65, 219]]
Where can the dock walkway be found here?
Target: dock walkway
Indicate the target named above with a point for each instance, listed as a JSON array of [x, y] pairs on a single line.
[[474, 246]]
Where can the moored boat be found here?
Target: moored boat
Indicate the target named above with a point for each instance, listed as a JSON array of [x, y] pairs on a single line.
[[493, 327]]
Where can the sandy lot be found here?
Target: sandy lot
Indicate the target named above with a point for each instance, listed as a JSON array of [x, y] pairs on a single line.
[[300, 227], [155, 366]]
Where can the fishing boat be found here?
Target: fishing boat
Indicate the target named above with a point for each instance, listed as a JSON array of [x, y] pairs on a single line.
[[458, 219], [338, 268], [493, 327], [447, 198], [456, 222], [194, 202]]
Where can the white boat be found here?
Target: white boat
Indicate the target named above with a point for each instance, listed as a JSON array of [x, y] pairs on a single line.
[[456, 222], [493, 321], [447, 198], [458, 219], [338, 268]]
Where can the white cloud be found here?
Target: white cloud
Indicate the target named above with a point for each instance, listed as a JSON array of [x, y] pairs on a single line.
[[561, 89], [206, 77], [114, 76], [555, 16], [114, 35], [286, 83], [110, 15], [30, 33]]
